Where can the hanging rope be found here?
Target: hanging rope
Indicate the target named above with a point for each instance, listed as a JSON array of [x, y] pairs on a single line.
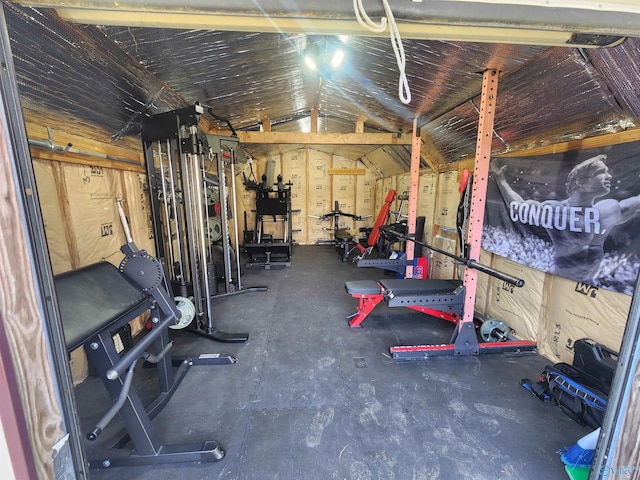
[[404, 93]]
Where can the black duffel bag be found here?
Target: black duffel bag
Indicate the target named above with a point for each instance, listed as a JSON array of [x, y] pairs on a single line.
[[578, 394]]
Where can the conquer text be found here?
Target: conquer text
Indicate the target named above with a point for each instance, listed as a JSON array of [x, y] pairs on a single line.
[[556, 217]]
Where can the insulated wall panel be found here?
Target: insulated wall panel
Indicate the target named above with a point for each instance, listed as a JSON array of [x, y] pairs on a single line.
[[380, 193], [294, 170], [139, 208], [403, 186], [365, 202], [343, 189], [319, 196], [95, 222], [52, 216], [448, 200], [482, 287], [520, 308], [427, 202], [441, 265], [576, 311]]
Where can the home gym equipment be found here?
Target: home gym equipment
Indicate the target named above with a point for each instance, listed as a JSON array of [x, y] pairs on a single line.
[[398, 264], [342, 237], [95, 302], [190, 210], [439, 298], [464, 340], [265, 251], [374, 236], [493, 330], [432, 293]]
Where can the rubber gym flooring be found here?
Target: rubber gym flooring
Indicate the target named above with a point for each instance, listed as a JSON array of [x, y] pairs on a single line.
[[309, 398]]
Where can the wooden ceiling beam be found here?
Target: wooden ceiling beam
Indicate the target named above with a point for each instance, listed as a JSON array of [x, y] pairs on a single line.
[[440, 29], [320, 138]]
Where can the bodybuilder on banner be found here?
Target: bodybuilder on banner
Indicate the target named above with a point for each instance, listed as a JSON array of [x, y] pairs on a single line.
[[578, 225]]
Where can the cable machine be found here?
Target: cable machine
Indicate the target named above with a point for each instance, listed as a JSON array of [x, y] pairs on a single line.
[[189, 208]]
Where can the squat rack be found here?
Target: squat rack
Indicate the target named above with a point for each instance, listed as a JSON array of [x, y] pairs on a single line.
[[464, 340]]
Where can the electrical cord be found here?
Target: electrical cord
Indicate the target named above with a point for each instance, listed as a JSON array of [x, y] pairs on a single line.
[[404, 93]]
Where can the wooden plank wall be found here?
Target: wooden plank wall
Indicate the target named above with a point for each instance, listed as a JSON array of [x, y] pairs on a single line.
[[23, 325]]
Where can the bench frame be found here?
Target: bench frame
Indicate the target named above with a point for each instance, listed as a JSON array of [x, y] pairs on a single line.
[[111, 365], [367, 302]]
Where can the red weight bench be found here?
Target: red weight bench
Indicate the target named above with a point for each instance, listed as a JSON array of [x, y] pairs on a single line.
[[439, 298], [372, 240]]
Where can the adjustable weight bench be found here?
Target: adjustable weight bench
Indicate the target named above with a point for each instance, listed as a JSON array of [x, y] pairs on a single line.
[[439, 298], [381, 219], [94, 302]]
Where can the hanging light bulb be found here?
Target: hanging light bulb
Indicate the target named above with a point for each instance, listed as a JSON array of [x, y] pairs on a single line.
[[338, 57], [310, 62]]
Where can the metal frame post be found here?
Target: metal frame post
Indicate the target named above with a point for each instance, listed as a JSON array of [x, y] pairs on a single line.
[[416, 143], [465, 340]]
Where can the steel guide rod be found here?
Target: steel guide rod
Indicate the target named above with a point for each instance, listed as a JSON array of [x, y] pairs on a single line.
[[180, 257], [182, 183], [224, 208], [165, 204], [234, 212]]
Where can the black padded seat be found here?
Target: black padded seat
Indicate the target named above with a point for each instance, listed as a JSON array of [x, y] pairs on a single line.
[[362, 287], [343, 234], [93, 297], [414, 286]]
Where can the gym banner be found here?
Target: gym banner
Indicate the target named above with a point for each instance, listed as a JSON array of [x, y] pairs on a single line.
[[575, 214]]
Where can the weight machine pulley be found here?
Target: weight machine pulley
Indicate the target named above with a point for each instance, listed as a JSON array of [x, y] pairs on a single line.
[[189, 207]]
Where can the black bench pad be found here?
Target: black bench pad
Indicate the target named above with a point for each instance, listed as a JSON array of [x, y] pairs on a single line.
[[414, 286], [362, 287], [93, 297], [343, 234]]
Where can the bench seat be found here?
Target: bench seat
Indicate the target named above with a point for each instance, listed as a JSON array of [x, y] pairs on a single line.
[[92, 298], [414, 286]]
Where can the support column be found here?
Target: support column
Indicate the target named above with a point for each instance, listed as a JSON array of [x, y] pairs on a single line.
[[416, 143], [479, 188]]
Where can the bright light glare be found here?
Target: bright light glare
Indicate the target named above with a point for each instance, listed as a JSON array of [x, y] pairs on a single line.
[[337, 58], [310, 63]]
